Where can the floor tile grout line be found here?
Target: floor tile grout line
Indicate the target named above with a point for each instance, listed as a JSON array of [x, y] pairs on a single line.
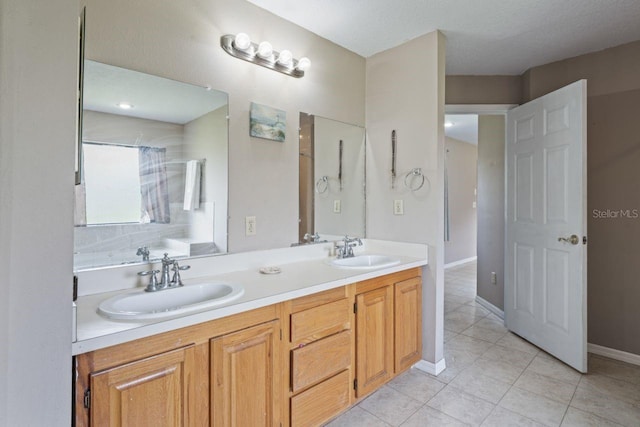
[[371, 413]]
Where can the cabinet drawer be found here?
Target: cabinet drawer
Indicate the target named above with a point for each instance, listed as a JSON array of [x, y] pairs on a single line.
[[322, 402], [322, 359], [319, 322]]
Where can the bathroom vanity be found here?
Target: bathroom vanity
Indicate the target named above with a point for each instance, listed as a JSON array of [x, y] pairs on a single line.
[[297, 348]]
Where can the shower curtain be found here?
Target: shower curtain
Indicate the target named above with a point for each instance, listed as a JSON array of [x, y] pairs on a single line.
[[153, 184]]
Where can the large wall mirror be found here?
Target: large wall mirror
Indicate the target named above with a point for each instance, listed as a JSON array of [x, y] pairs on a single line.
[[154, 169], [332, 179]]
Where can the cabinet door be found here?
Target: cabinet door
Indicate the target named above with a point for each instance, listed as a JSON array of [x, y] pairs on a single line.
[[245, 381], [156, 391], [408, 323], [374, 339]]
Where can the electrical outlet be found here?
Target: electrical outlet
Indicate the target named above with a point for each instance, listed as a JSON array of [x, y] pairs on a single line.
[[336, 206], [250, 226], [398, 207], [494, 278], [473, 205]]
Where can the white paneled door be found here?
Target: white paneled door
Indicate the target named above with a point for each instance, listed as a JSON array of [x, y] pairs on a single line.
[[546, 224]]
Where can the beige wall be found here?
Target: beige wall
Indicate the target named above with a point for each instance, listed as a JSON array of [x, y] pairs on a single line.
[[351, 218], [37, 130], [462, 161], [484, 90], [491, 208], [180, 40], [405, 92], [207, 138], [608, 71], [613, 156]]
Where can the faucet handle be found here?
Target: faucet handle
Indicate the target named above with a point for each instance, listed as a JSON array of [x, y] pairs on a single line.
[[177, 280], [153, 280]]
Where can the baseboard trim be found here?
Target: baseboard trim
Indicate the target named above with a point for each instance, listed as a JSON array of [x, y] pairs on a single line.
[[492, 308], [612, 353], [431, 368], [460, 262]]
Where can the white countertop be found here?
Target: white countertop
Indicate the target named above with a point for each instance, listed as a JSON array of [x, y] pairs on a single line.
[[304, 272]]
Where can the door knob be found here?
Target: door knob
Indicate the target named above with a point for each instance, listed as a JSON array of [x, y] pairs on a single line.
[[573, 239]]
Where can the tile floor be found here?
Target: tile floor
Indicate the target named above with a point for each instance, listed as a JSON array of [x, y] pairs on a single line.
[[494, 378]]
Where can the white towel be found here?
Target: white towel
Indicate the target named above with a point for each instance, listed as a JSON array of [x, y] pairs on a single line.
[[192, 186]]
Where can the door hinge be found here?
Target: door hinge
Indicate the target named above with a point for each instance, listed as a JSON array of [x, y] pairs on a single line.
[[355, 307], [584, 240], [355, 384], [87, 398], [280, 334]]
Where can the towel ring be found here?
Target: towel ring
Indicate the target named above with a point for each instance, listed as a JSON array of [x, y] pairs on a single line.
[[322, 185], [409, 179]]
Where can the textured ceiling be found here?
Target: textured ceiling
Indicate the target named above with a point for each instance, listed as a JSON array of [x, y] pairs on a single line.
[[504, 37], [153, 98], [464, 127]]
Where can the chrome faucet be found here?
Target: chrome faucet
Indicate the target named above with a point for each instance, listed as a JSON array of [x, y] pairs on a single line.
[[166, 281], [144, 251], [165, 277], [311, 238], [346, 250]]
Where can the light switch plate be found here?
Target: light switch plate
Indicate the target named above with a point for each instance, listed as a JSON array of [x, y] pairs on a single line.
[[398, 207], [250, 226], [336, 206]]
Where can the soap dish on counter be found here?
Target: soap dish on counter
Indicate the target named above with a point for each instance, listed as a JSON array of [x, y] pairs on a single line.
[[270, 270]]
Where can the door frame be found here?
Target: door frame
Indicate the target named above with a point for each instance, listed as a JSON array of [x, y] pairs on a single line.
[[482, 110]]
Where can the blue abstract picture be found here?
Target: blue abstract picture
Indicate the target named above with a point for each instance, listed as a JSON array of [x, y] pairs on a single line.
[[267, 122]]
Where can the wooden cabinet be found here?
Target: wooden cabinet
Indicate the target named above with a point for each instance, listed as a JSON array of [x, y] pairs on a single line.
[[374, 340], [388, 328], [223, 372], [408, 323], [296, 363], [154, 391], [321, 354], [245, 377]]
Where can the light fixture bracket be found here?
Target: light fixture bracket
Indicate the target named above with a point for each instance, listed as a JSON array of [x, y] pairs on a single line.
[[251, 55]]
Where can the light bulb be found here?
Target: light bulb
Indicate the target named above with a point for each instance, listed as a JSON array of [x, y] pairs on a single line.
[[265, 50], [242, 41], [124, 105], [304, 64], [448, 124], [285, 58]]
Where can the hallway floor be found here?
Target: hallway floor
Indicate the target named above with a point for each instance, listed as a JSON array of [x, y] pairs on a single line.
[[495, 378]]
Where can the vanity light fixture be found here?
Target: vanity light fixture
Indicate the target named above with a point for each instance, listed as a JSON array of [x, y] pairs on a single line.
[[263, 54]]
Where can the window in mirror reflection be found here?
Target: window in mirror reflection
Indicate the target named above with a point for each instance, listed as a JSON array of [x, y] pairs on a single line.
[[155, 175], [112, 182]]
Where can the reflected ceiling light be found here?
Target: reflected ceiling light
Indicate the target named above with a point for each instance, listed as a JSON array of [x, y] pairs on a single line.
[[448, 124], [263, 54], [124, 105]]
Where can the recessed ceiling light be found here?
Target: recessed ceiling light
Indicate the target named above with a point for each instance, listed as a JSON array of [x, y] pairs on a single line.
[[124, 105], [448, 124]]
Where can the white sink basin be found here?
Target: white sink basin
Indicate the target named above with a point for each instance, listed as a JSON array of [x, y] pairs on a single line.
[[364, 262], [169, 302]]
